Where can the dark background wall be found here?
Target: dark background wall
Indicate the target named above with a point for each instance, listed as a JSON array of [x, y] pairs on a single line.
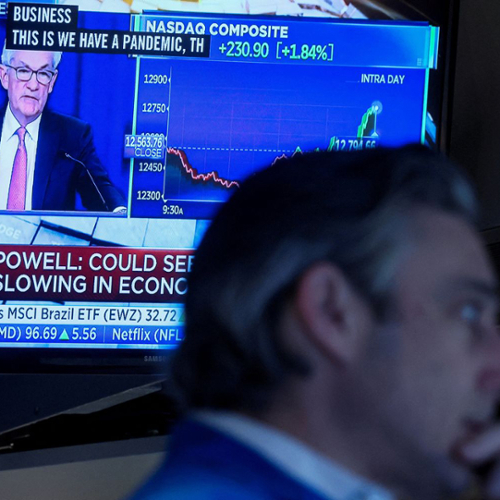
[[475, 139]]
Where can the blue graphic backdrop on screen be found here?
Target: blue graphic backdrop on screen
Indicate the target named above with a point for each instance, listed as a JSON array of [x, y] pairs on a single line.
[[232, 119], [224, 118]]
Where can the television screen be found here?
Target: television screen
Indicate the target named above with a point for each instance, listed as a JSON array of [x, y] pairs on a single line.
[[149, 122]]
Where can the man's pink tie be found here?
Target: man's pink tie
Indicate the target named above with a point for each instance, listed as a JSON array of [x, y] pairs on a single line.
[[17, 189]]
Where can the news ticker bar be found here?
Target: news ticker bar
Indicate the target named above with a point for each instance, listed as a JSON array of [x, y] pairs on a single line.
[[92, 325], [100, 334], [90, 314]]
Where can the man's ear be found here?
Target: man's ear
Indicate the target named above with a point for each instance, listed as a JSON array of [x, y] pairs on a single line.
[[4, 77], [53, 81], [332, 314]]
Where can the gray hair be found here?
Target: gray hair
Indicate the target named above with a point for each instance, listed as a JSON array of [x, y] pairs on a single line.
[[352, 209], [8, 55]]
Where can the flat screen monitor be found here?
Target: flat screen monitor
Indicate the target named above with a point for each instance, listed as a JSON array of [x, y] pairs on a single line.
[[149, 122]]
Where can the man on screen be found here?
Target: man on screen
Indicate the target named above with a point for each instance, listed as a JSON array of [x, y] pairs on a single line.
[[341, 338], [46, 158]]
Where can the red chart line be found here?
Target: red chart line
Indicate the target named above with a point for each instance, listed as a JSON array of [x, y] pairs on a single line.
[[193, 173]]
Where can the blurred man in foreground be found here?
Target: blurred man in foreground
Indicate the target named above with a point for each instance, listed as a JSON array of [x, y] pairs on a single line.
[[341, 340]]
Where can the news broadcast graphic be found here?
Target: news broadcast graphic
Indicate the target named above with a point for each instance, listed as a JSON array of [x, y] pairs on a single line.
[[268, 89], [216, 98], [110, 274], [159, 117], [72, 287]]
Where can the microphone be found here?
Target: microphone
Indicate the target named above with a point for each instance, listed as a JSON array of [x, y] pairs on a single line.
[[91, 177]]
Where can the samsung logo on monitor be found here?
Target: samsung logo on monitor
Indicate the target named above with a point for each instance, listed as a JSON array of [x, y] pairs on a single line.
[[155, 359]]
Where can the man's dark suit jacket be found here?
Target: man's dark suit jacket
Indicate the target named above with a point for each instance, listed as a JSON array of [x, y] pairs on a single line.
[[204, 464], [58, 178]]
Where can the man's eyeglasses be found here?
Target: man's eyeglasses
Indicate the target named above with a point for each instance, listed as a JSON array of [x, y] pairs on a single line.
[[44, 76]]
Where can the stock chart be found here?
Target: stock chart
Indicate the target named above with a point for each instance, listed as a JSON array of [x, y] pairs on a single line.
[[204, 124]]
